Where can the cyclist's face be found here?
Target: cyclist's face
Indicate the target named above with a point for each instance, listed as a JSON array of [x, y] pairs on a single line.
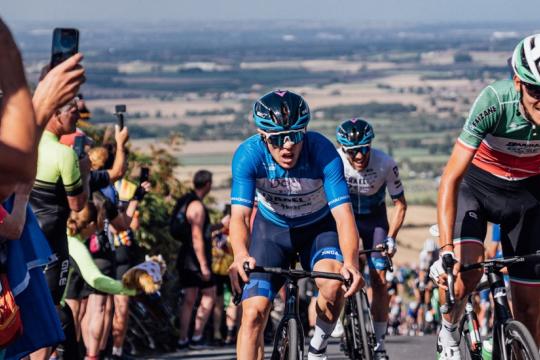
[[530, 95], [287, 155], [358, 159]]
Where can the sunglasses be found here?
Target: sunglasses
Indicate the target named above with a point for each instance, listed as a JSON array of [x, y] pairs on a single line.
[[353, 150], [532, 90], [279, 139]]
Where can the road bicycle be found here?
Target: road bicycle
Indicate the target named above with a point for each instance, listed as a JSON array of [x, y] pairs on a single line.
[[289, 337], [511, 339], [359, 332]]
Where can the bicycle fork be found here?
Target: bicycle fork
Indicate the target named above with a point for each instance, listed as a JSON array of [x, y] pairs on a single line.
[[291, 311]]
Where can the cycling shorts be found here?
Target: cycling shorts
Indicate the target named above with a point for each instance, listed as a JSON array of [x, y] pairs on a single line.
[[276, 246], [514, 205], [56, 273], [194, 279], [373, 230]]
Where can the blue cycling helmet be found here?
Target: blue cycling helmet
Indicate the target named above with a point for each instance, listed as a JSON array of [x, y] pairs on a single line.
[[354, 132], [281, 110]]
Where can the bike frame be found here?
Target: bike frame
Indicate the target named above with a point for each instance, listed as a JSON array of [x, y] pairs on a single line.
[[502, 312], [291, 312]]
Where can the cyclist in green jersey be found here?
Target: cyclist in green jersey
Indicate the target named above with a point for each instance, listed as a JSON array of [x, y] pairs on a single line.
[[493, 175]]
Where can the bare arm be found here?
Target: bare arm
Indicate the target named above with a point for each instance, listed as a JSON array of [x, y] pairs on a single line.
[[118, 169], [398, 216], [18, 132], [349, 241], [448, 191], [239, 236], [195, 215], [78, 202]]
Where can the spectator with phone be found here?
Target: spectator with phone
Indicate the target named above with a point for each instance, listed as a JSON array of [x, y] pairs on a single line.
[[61, 186], [22, 119]]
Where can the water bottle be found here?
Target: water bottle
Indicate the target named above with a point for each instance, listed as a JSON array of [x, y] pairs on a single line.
[[487, 349]]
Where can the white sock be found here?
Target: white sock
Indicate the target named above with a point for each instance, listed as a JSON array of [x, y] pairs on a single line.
[[321, 334], [183, 341], [117, 351], [449, 335], [196, 338], [380, 333]]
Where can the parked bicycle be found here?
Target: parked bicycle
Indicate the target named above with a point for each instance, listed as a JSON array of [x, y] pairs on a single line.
[[511, 339], [289, 337], [359, 334]]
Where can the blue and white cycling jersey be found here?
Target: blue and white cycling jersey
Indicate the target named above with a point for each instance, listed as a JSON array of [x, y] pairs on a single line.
[[368, 187], [289, 198]]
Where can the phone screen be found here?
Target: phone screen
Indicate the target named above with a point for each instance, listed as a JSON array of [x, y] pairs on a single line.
[[64, 45], [78, 146], [145, 172]]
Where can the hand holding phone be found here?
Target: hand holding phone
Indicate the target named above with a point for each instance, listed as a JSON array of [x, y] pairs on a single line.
[[119, 111], [145, 173], [78, 146], [64, 45]]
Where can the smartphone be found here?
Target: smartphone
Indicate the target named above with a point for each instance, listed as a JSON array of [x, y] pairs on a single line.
[[78, 146], [145, 173], [119, 111], [65, 44]]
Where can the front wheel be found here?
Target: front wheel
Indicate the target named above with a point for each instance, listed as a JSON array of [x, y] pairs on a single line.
[[519, 342], [287, 344]]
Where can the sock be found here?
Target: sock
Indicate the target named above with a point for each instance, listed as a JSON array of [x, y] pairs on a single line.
[[196, 338], [449, 335], [321, 334], [380, 333], [117, 351], [183, 341]]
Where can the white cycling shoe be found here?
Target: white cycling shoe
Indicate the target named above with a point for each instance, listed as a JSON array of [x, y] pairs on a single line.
[[447, 352]]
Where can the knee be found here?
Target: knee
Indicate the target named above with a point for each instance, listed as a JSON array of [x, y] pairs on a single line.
[[465, 285], [330, 290], [253, 317]]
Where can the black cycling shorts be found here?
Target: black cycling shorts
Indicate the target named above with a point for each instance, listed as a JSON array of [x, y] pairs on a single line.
[[276, 246], [515, 205], [193, 279], [373, 230], [56, 273]]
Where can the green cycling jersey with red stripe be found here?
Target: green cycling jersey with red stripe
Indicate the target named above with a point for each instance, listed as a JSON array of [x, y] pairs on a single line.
[[507, 145]]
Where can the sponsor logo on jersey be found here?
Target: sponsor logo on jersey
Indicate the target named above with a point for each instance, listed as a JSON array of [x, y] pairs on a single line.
[[478, 119]]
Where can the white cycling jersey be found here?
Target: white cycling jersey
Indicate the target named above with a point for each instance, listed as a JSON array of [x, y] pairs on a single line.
[[368, 187], [426, 259]]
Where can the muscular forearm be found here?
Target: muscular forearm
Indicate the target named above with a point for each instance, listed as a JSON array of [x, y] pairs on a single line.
[[116, 172], [397, 218], [239, 234], [446, 210], [198, 247], [348, 241]]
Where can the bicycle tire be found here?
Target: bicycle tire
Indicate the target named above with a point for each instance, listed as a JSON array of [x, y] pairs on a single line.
[[365, 324], [520, 341], [294, 344], [286, 343], [351, 331]]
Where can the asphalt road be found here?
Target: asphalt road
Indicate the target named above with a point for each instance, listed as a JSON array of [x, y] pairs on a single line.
[[398, 347]]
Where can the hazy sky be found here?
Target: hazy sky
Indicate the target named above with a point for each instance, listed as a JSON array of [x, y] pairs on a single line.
[[270, 10]]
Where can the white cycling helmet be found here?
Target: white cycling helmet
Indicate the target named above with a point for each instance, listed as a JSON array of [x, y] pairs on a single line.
[[434, 230], [429, 245], [526, 59]]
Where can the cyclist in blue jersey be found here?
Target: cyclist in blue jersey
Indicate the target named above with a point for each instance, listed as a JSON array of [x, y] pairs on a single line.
[[303, 208], [369, 174]]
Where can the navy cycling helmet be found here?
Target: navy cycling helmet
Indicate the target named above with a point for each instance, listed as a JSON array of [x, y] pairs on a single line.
[[281, 110], [354, 132]]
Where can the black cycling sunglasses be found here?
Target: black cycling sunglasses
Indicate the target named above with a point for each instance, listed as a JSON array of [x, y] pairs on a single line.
[[532, 90], [353, 150]]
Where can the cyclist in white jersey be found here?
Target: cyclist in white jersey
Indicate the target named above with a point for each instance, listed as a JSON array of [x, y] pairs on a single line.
[[369, 174]]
